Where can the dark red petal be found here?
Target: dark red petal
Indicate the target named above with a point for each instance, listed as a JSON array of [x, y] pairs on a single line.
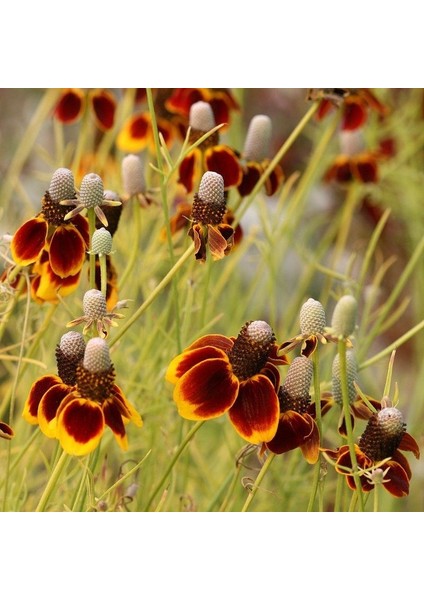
[[6, 432], [70, 106], [49, 405], [397, 480], [224, 161], [220, 240], [325, 106], [199, 243], [103, 104], [188, 359], [400, 458], [256, 411], [80, 425], [354, 114], [293, 431], [251, 175], [67, 251], [409, 443], [29, 241], [273, 374], [365, 169], [47, 286], [37, 391], [341, 171], [181, 100], [310, 449], [207, 390], [274, 180], [309, 346], [213, 339], [81, 223], [113, 419], [276, 358], [187, 170]]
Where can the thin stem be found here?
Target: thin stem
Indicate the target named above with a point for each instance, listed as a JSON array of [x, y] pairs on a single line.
[[103, 274], [231, 488], [258, 481], [347, 417], [174, 460], [318, 420], [135, 244], [91, 215], [51, 484]]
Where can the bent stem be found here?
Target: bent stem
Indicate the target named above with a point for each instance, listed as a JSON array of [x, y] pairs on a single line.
[[258, 481], [51, 484], [171, 465]]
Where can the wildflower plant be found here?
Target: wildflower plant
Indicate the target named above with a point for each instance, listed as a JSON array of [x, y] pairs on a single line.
[[252, 368]]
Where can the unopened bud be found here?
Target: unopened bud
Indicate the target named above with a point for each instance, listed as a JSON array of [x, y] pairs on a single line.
[[101, 242], [133, 175], [91, 191], [351, 377], [94, 304], [344, 316], [312, 318], [256, 146], [299, 377]]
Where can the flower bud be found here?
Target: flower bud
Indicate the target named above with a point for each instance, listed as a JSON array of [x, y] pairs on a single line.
[[256, 146], [133, 175], [62, 186], [91, 191], [312, 318], [201, 116], [94, 304], [101, 242], [96, 357], [351, 376], [344, 316]]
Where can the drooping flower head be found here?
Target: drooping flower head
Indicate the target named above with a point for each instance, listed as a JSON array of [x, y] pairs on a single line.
[[96, 314], [73, 101], [238, 376], [296, 427], [379, 448], [208, 211], [133, 179]]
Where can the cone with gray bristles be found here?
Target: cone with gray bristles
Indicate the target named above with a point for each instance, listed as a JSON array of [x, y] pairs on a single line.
[[351, 376], [62, 185], [133, 175], [201, 116], [258, 138], [345, 315]]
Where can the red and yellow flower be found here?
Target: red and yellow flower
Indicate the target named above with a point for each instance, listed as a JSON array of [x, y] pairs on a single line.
[[76, 405], [218, 375], [73, 101], [378, 454]]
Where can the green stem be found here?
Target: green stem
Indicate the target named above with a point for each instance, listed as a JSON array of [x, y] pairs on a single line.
[[91, 215], [103, 274], [318, 420], [52, 482], [258, 481], [168, 277], [135, 242], [174, 460], [347, 417], [230, 492]]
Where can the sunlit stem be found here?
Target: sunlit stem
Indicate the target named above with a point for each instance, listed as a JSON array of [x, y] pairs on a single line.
[[103, 274], [52, 482], [317, 398], [91, 215]]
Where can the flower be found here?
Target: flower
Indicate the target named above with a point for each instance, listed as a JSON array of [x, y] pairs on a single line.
[[238, 376], [96, 315], [6, 432], [207, 215], [255, 158], [354, 163], [72, 103], [355, 104], [133, 180], [53, 245], [221, 101], [210, 155], [296, 427], [77, 414], [91, 195], [379, 447], [312, 329]]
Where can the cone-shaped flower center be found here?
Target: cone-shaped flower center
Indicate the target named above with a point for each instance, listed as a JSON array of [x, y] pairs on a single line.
[[383, 434], [91, 191], [344, 316], [351, 376], [53, 212], [251, 349], [256, 146], [312, 318], [96, 374], [209, 205], [101, 242], [294, 393], [133, 175], [62, 186], [94, 304], [69, 353]]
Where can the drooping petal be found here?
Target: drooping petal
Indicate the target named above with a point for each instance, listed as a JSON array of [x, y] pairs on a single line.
[[81, 223], [408, 443], [70, 106], [113, 419], [220, 240], [251, 174], [189, 359], [80, 425], [37, 391], [213, 339], [310, 449], [396, 480], [403, 461], [274, 180], [292, 432], [354, 114], [126, 409], [340, 171], [67, 251], [48, 407], [207, 390], [103, 104], [182, 98], [28, 241], [365, 168], [6, 432], [273, 374], [224, 161], [47, 286], [199, 242], [255, 414]]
